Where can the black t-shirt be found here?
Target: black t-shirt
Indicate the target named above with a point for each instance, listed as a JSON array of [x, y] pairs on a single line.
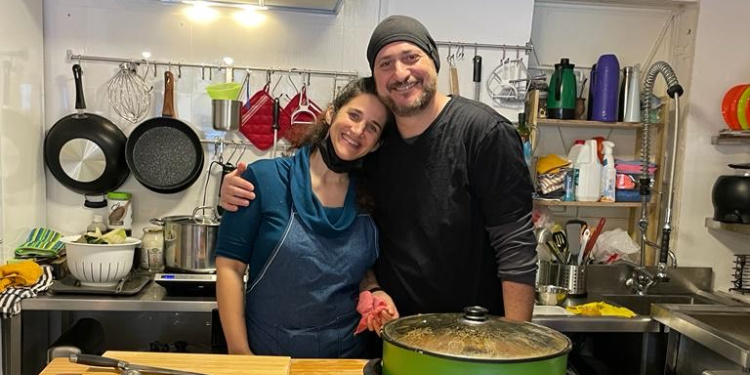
[[434, 198]]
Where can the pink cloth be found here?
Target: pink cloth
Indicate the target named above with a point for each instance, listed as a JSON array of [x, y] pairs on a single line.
[[369, 307]]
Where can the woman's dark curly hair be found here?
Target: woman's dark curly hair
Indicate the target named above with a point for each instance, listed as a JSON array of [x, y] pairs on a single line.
[[318, 131]]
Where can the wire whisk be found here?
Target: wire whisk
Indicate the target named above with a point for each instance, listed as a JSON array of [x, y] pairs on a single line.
[[129, 94]]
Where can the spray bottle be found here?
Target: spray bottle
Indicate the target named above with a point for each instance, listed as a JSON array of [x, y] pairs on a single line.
[[609, 174]]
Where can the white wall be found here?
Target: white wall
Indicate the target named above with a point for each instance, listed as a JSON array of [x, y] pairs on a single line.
[[718, 65], [22, 198], [285, 40]]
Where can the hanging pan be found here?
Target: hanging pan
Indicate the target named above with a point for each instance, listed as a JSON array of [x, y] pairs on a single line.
[[164, 153], [85, 152]]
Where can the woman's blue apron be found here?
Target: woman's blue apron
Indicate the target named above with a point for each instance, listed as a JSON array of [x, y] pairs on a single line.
[[303, 302]]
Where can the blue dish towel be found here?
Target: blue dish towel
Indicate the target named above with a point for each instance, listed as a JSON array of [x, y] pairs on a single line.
[[41, 243]]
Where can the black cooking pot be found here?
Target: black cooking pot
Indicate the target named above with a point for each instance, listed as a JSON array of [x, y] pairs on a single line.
[[731, 196]]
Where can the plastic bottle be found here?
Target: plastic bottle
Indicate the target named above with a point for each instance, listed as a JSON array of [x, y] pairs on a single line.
[[609, 174], [97, 222], [575, 150], [589, 173]]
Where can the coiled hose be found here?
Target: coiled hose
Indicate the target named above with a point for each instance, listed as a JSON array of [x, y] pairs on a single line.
[[674, 90]]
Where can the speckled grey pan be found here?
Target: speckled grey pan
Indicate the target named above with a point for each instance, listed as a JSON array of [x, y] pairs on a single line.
[[164, 154]]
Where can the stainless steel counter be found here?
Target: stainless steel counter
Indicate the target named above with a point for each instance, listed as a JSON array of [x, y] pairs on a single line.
[[153, 297]]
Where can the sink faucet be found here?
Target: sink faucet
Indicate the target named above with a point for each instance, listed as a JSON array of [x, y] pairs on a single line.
[[640, 280]]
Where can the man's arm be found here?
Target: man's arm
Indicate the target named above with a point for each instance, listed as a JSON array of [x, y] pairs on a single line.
[[236, 192], [501, 181]]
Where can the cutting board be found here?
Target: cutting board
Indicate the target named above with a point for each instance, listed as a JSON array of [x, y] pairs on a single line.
[[212, 364]]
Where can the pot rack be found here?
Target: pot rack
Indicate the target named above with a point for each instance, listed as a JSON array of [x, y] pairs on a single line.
[[179, 65], [528, 47]]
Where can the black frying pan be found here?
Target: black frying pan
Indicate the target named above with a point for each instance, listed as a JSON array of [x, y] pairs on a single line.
[[85, 151], [164, 153]]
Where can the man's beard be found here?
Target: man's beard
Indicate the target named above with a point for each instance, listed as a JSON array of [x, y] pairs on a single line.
[[429, 88]]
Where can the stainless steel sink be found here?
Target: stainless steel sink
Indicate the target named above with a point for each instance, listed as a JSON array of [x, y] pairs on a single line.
[[733, 324], [641, 304]]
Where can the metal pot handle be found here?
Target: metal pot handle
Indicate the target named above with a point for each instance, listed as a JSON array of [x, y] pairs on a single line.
[[155, 221], [213, 219]]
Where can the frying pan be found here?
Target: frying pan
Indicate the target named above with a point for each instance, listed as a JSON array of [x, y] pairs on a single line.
[[164, 153], [85, 151]]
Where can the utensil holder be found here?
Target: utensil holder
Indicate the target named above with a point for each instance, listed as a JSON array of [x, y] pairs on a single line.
[[225, 114], [573, 277], [548, 273]]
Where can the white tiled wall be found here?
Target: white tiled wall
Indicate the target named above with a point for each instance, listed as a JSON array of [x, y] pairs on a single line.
[[285, 40]]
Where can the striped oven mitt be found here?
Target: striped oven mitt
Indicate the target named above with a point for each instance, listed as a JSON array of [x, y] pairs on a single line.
[[10, 298], [41, 243]]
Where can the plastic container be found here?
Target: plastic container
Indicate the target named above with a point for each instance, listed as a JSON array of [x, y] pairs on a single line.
[[224, 91], [589, 173], [97, 223], [575, 150], [609, 174]]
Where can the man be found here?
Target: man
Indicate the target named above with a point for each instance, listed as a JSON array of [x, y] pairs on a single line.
[[452, 191]]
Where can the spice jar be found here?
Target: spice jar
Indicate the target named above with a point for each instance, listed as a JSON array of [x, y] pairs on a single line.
[[152, 249]]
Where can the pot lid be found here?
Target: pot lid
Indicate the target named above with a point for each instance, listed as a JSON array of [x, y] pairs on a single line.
[[476, 336]]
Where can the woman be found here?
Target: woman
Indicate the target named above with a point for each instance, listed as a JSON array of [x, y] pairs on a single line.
[[305, 242]]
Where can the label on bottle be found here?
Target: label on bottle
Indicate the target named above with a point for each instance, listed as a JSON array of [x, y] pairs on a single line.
[[120, 215]]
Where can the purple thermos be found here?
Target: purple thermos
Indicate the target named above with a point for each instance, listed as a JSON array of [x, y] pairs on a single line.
[[605, 87]]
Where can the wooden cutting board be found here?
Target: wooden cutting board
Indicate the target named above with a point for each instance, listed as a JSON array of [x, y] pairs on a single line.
[[212, 364]]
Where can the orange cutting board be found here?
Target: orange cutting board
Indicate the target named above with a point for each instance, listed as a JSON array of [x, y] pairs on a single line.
[[210, 364]]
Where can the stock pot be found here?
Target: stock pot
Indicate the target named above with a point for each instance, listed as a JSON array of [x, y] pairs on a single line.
[[190, 241], [472, 343]]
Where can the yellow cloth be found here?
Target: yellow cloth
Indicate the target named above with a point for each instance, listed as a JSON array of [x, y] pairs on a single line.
[[601, 309], [550, 164], [24, 273]]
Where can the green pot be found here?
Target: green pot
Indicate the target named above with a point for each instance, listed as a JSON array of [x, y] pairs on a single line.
[[472, 343]]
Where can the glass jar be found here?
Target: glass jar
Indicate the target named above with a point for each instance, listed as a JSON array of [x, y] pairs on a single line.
[[152, 249], [120, 211]]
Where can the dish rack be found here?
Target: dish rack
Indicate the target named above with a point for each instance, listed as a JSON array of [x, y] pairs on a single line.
[[741, 274]]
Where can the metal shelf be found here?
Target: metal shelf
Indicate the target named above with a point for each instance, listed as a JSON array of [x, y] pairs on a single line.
[[544, 202], [731, 137], [729, 227], [591, 124]]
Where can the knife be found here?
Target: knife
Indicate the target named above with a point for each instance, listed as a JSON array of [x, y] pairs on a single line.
[[99, 361]]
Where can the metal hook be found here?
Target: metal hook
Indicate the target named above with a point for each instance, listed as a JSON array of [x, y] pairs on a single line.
[[210, 74], [448, 57], [518, 54], [242, 153], [503, 59], [155, 66], [475, 50], [268, 77], [291, 82], [169, 66], [275, 85], [460, 54], [219, 149], [203, 73], [231, 155], [308, 78], [179, 70]]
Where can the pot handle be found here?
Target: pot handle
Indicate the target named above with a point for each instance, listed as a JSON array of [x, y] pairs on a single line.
[[202, 220], [156, 221]]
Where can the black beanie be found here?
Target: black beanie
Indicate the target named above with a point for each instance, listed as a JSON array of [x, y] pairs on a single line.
[[401, 29]]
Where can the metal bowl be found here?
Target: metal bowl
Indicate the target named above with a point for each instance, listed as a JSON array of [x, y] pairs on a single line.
[[551, 295]]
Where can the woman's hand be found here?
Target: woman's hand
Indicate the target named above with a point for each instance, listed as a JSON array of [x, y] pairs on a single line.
[[236, 192], [389, 313]]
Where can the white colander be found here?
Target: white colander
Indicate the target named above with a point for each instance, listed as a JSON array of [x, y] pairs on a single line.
[[99, 265]]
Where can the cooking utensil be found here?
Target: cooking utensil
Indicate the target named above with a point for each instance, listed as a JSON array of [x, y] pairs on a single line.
[[592, 241], [731, 196], [584, 242], [472, 342], [85, 151], [275, 125], [99, 361], [190, 241], [303, 113], [129, 94], [573, 231], [164, 153], [552, 248], [477, 77]]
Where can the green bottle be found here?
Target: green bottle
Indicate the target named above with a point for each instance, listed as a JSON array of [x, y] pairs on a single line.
[[561, 95]]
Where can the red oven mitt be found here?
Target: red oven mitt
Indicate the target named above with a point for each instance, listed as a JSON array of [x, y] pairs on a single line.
[[370, 307], [256, 120]]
